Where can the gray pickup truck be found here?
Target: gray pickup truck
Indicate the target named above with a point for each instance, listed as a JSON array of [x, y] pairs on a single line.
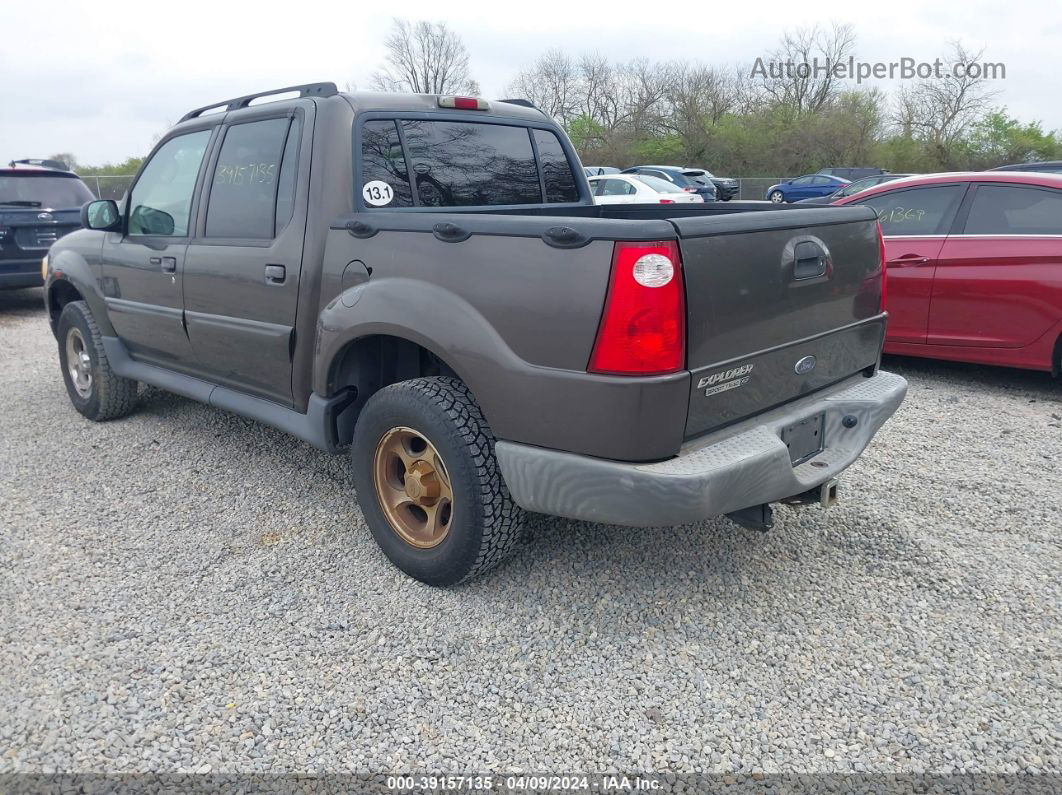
[[425, 282]]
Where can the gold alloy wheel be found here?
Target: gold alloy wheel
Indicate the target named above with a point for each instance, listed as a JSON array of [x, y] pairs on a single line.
[[413, 487]]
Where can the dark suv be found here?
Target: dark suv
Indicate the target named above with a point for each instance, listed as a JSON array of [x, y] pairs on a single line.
[[690, 180], [40, 201]]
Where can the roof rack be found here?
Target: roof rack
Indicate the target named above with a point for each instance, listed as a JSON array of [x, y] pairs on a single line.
[[55, 165], [522, 102], [305, 90]]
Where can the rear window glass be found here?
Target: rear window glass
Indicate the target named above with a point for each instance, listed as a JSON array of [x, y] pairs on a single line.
[[657, 184], [458, 164], [556, 171], [1008, 210], [428, 163], [44, 190]]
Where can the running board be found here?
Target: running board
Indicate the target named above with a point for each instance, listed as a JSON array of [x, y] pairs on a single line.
[[317, 426]]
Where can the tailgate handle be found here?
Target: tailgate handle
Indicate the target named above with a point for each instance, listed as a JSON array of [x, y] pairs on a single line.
[[809, 260]]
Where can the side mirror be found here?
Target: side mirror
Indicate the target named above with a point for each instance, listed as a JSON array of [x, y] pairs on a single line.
[[101, 214], [149, 221]]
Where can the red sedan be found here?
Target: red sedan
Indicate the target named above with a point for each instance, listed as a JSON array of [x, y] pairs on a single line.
[[974, 266]]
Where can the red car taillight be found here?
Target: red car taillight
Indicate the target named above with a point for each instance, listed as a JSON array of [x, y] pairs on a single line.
[[643, 328], [690, 190], [884, 268], [667, 201]]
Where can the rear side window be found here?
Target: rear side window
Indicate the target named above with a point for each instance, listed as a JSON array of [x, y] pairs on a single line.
[[1011, 210], [918, 211], [459, 164], [615, 187], [247, 179], [556, 171]]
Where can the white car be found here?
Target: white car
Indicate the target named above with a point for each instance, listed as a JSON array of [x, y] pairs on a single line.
[[638, 189]]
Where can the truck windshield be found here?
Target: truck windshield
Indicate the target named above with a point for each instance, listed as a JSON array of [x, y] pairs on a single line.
[[43, 190], [462, 164]]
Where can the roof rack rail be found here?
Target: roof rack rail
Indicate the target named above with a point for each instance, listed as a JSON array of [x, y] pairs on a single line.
[[305, 90], [56, 165], [522, 102]]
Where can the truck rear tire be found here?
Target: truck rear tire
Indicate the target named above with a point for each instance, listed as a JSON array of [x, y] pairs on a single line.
[[95, 389], [428, 482]]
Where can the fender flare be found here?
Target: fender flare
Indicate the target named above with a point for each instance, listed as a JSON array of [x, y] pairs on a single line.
[[69, 266], [437, 319]]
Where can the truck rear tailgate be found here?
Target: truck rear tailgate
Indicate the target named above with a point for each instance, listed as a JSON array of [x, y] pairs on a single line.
[[779, 304]]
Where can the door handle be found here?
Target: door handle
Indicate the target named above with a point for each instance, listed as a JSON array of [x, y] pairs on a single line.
[[907, 261], [169, 264], [275, 274]]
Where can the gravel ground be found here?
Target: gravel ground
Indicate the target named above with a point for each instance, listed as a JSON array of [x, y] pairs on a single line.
[[186, 590]]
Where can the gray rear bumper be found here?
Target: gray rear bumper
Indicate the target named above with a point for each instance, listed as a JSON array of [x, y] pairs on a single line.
[[744, 465]]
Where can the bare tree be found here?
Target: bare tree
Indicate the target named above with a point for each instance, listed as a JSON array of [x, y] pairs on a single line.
[[425, 58], [799, 74], [941, 110], [552, 84]]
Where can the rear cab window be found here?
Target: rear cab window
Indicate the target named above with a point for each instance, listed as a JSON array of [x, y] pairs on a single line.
[[442, 163]]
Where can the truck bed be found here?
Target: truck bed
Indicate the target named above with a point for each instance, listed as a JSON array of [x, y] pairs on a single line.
[[753, 310]]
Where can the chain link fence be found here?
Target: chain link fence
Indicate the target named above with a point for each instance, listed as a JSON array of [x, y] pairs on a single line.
[[109, 187], [115, 187]]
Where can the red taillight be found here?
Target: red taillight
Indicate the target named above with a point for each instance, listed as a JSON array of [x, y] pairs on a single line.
[[463, 103], [667, 201], [643, 328], [690, 190], [884, 268]]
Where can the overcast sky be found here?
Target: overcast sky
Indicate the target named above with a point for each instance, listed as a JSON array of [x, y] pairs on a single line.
[[101, 80]]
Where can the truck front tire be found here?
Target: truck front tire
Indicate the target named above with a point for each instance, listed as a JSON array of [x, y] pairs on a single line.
[[428, 482], [94, 388]]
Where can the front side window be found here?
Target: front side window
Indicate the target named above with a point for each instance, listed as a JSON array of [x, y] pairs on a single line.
[[244, 189], [917, 211], [801, 181], [161, 200], [1012, 210]]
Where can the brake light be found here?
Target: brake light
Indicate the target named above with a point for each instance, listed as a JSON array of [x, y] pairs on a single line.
[[884, 267], [690, 190], [643, 327], [667, 201], [463, 103]]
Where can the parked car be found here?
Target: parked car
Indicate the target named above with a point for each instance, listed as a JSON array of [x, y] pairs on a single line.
[[596, 171], [40, 201], [444, 303], [689, 180], [1048, 166], [853, 188], [726, 188], [805, 187], [638, 189], [975, 266]]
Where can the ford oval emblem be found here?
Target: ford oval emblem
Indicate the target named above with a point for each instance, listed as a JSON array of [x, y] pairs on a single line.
[[805, 365], [44, 216]]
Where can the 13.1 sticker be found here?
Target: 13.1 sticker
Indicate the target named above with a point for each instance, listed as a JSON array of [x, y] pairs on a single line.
[[377, 193]]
